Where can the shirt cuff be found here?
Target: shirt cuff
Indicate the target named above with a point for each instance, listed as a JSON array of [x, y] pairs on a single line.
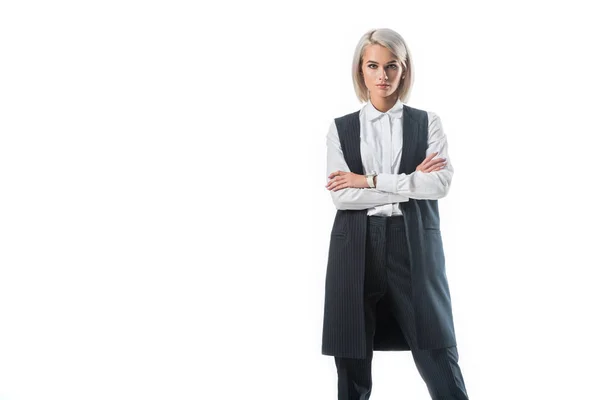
[[387, 182]]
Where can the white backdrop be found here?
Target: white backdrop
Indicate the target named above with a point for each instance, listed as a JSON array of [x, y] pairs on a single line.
[[164, 223]]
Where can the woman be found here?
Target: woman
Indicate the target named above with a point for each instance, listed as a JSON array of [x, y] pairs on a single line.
[[386, 286]]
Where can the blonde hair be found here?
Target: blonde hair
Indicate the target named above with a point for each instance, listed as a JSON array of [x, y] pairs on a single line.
[[391, 40]]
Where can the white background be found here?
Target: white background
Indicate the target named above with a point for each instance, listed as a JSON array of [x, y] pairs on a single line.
[[164, 223]]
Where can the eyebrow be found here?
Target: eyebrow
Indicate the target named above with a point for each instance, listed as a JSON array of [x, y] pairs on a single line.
[[375, 62]]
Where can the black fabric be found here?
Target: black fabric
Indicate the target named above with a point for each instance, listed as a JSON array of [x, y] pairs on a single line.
[[387, 281], [344, 327]]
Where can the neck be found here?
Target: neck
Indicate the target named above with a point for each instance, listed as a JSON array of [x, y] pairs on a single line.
[[383, 104]]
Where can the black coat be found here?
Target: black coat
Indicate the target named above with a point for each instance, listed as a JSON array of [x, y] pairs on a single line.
[[344, 318]]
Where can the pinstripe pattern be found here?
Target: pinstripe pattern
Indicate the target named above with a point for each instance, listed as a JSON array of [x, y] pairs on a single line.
[[344, 313], [388, 281], [441, 373]]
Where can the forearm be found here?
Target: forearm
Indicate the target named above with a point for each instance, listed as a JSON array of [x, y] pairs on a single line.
[[353, 198], [417, 185], [363, 198]]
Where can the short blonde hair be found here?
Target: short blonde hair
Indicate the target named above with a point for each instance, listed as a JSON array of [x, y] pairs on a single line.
[[393, 42]]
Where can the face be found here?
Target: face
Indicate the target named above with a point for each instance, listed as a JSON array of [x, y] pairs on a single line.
[[381, 67]]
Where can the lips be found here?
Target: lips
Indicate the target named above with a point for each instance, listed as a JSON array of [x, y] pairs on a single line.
[[382, 86]]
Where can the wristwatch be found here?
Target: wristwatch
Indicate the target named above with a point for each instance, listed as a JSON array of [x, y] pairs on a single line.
[[370, 180]]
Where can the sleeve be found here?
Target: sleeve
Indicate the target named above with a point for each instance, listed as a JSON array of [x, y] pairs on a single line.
[[423, 185], [353, 198]]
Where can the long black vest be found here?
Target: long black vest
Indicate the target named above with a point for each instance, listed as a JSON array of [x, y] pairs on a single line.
[[344, 318]]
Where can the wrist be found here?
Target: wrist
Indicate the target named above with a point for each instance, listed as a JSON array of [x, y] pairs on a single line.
[[371, 180]]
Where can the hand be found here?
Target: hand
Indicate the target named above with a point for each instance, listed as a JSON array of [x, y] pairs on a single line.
[[429, 165], [341, 179]]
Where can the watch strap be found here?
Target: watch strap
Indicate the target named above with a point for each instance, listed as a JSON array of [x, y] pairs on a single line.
[[370, 180]]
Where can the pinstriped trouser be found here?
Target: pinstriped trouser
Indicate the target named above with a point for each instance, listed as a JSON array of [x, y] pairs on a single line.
[[387, 273]]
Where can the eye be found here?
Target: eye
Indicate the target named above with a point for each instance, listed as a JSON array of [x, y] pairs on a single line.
[[371, 65], [394, 66]]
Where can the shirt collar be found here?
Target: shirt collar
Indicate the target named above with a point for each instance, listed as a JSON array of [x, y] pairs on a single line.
[[373, 113]]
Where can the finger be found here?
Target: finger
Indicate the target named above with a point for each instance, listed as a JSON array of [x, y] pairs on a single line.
[[341, 186], [429, 157], [436, 161], [341, 183], [330, 183], [426, 162], [335, 183], [436, 168]]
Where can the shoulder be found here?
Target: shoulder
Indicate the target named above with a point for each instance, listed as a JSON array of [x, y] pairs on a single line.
[[434, 121], [434, 126]]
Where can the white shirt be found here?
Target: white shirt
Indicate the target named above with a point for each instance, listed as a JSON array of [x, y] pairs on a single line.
[[381, 150]]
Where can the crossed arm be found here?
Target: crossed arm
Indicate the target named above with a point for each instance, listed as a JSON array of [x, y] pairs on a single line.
[[392, 188]]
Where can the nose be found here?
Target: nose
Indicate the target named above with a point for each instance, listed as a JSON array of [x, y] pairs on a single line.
[[383, 75]]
